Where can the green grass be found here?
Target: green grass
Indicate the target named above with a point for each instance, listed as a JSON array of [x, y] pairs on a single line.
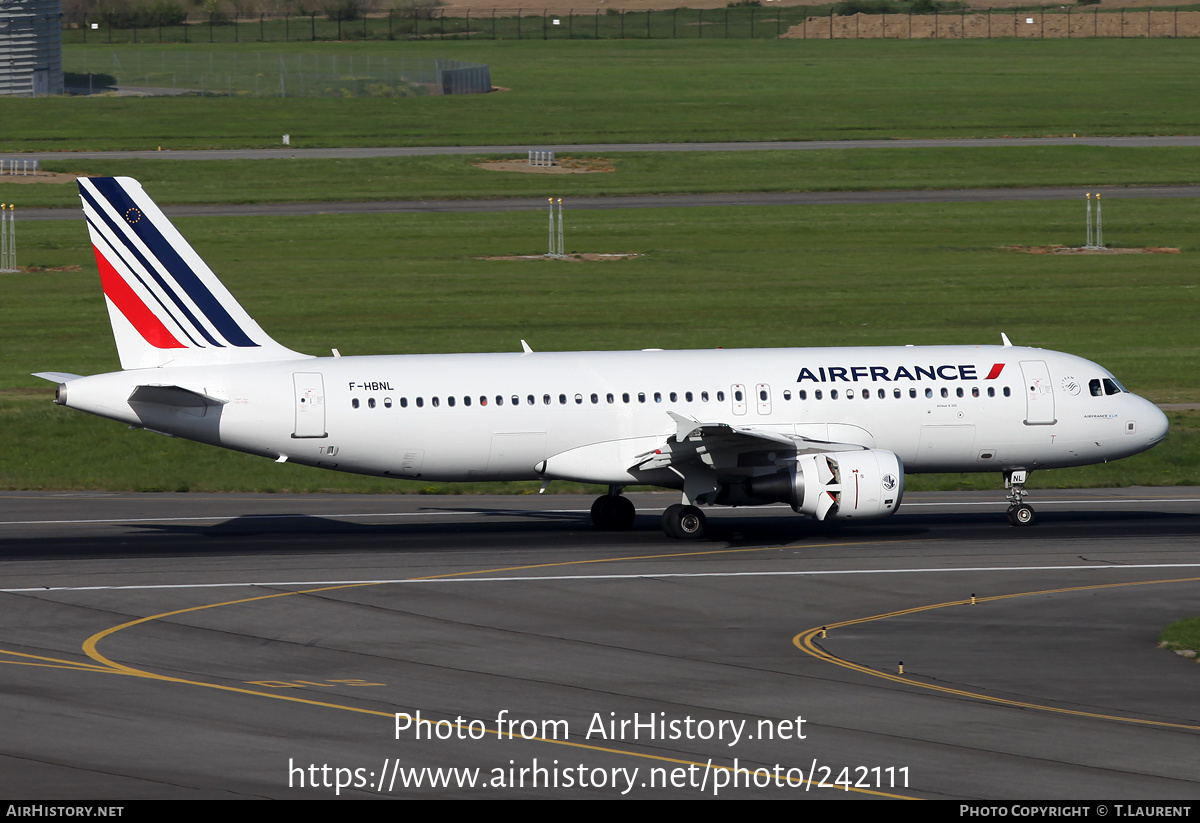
[[683, 91], [1182, 635], [864, 275], [451, 177]]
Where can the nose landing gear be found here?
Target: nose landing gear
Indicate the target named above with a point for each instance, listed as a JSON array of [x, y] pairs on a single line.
[[1019, 512]]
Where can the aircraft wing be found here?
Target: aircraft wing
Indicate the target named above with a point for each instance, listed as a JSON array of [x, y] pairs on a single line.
[[720, 446]]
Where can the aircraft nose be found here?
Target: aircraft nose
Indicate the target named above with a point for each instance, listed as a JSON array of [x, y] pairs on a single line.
[[1154, 424]]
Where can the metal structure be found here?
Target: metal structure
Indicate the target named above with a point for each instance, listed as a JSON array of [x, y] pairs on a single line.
[[8, 239], [539, 157], [556, 233], [255, 74], [21, 167], [1095, 226], [30, 48]]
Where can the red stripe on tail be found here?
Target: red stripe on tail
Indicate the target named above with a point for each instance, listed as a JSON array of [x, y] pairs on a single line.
[[135, 310]]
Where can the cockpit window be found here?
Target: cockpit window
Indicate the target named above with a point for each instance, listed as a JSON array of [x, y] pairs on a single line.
[[1112, 386], [1094, 388]]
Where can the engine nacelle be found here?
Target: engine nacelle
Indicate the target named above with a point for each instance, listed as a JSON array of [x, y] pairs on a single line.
[[837, 485]]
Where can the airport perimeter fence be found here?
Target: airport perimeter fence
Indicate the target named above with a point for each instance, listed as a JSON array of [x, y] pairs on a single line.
[[738, 22], [234, 74]]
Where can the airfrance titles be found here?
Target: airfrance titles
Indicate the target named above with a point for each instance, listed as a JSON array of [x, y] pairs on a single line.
[[892, 374]]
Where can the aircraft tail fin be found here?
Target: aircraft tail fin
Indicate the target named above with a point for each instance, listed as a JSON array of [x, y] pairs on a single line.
[[166, 306]]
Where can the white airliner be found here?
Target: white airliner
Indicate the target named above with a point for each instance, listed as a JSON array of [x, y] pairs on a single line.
[[830, 431]]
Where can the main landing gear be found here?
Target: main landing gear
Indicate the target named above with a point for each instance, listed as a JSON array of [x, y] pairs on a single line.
[[1019, 513], [612, 512], [684, 522]]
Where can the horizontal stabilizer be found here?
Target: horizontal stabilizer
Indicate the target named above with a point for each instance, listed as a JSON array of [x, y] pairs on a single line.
[[174, 396], [57, 376]]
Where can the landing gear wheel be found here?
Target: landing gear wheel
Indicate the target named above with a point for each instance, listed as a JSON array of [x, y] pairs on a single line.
[[1021, 515], [613, 513], [684, 522]]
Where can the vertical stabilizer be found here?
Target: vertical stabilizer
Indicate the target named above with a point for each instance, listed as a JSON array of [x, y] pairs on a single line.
[[166, 306]]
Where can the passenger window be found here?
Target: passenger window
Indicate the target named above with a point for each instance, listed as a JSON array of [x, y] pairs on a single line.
[[658, 397], [595, 399], [958, 392], [817, 394], [974, 391], [687, 396], [434, 402], [928, 393], [420, 402], [912, 393], [641, 397], [1007, 391], [545, 400], [404, 402], [720, 397], [387, 402], [579, 399], [449, 401], [516, 399], [704, 396], [625, 397], [466, 401], [896, 393], [787, 395], [802, 394], [609, 397], [562, 400], [833, 394], [674, 397], [945, 392], [991, 391], [354, 403]]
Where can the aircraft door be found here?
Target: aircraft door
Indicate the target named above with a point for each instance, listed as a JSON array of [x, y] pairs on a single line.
[[1039, 393], [310, 404]]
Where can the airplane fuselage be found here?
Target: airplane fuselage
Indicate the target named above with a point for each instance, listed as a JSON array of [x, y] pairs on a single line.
[[521, 416]]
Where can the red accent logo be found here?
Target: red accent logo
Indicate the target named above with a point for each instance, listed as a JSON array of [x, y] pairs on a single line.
[[135, 310], [995, 372]]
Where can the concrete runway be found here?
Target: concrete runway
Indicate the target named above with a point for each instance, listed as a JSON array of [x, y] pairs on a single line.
[[234, 646], [360, 152]]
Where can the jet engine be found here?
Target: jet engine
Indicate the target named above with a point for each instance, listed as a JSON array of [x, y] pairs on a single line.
[[836, 485]]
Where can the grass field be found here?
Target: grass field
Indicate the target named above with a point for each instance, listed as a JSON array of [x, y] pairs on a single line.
[[755, 277], [684, 91]]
